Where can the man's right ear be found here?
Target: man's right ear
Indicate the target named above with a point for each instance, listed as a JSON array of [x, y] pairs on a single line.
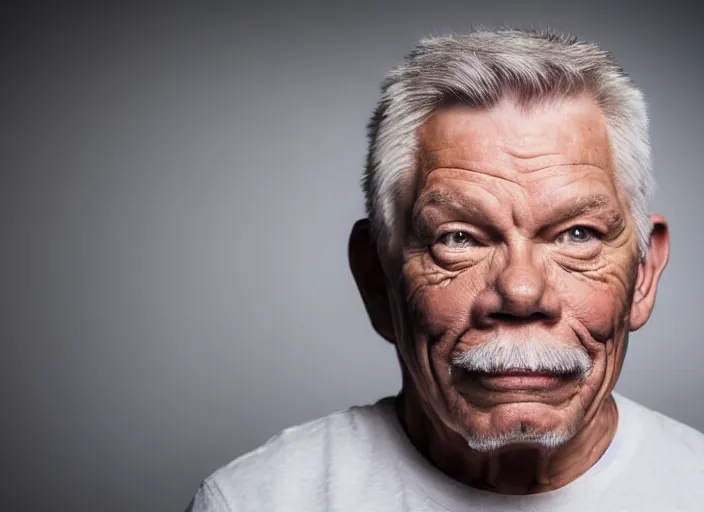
[[369, 276]]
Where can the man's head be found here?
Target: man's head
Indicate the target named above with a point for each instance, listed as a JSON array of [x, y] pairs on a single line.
[[509, 249]]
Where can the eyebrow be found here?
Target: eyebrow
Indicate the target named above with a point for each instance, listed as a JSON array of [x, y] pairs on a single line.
[[455, 202], [597, 204], [438, 198]]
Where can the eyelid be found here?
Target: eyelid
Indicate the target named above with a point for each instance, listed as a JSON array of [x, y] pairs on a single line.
[[454, 226], [596, 225], [594, 231]]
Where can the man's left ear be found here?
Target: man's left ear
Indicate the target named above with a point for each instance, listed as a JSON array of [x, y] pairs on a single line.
[[649, 271], [369, 275]]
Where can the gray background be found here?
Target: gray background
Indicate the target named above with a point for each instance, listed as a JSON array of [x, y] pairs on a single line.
[[177, 186]]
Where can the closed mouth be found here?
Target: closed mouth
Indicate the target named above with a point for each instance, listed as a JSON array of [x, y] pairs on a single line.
[[517, 380]]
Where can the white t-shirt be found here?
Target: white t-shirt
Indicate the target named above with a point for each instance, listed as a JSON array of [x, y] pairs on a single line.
[[360, 459]]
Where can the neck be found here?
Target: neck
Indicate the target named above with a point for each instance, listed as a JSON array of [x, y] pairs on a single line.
[[519, 469]]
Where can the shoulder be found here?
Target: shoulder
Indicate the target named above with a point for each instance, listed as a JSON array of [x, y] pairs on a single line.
[[664, 433], [298, 462], [662, 460], [663, 429]]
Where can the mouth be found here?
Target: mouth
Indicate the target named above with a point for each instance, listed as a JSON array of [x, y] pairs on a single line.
[[521, 380], [517, 380]]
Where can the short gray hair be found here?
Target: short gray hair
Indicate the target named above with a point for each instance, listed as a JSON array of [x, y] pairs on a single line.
[[478, 69]]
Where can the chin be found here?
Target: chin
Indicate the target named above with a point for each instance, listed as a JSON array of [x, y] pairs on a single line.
[[529, 421], [547, 440]]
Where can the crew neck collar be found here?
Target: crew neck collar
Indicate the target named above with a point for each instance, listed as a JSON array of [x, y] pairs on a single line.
[[454, 495]]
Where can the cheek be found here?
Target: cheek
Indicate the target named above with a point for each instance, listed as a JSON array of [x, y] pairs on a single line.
[[598, 306], [444, 307]]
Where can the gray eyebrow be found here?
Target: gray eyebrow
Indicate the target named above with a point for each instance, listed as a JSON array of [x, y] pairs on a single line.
[[580, 206], [588, 204], [438, 198]]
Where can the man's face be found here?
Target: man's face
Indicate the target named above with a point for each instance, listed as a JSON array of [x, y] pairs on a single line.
[[519, 234]]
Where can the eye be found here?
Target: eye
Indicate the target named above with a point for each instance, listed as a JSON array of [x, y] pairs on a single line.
[[577, 235], [457, 240]]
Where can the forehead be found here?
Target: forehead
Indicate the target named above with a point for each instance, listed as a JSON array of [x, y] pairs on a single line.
[[514, 141]]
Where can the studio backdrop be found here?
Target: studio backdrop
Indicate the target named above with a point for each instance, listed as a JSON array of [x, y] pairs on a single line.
[[177, 186]]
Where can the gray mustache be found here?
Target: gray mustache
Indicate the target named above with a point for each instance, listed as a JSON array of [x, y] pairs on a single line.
[[534, 355]]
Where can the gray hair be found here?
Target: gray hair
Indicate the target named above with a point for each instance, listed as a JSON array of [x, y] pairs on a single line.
[[549, 440], [479, 69]]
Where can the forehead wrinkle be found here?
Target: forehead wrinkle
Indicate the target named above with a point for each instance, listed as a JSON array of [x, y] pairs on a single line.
[[556, 132], [509, 171], [517, 154], [475, 170], [529, 170]]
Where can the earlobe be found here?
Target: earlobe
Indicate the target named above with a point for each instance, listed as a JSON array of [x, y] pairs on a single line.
[[649, 271], [369, 275]]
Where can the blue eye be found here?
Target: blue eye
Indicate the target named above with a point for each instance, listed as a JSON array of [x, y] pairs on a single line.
[[579, 234], [457, 239]]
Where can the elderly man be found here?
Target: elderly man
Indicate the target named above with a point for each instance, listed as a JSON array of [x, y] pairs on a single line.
[[508, 252]]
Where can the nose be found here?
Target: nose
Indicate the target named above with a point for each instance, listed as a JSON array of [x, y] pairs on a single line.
[[520, 293]]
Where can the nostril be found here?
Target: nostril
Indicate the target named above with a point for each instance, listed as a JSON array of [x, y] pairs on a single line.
[[508, 318]]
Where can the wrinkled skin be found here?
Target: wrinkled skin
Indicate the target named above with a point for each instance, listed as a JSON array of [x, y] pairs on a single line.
[[518, 229]]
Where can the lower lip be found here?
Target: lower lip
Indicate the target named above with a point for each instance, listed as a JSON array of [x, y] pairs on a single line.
[[513, 382]]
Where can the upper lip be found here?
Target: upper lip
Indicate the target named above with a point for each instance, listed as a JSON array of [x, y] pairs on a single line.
[[521, 373], [465, 376]]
